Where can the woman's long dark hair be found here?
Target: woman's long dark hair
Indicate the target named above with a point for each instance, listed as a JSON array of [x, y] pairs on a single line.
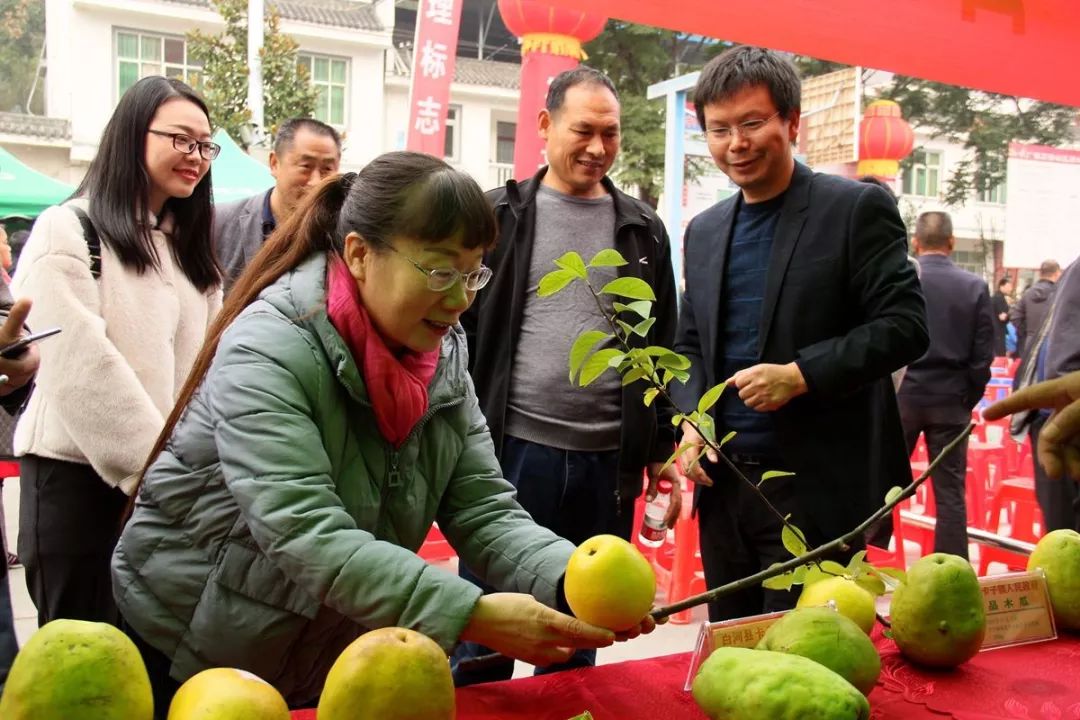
[[398, 194], [118, 187]]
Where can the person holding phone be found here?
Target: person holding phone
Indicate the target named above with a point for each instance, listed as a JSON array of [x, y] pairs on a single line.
[[129, 337], [327, 422], [19, 372]]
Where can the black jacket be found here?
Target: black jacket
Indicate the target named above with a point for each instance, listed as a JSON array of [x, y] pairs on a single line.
[[841, 300], [494, 320], [956, 368]]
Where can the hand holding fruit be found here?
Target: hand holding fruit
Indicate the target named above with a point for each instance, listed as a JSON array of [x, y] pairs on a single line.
[[520, 627]]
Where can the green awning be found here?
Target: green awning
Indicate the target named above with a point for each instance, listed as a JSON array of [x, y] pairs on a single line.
[[236, 174], [24, 192]]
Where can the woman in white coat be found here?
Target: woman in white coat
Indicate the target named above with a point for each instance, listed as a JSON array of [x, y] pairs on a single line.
[[127, 271]]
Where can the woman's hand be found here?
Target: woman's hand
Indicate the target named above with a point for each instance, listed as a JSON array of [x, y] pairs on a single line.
[[519, 626]]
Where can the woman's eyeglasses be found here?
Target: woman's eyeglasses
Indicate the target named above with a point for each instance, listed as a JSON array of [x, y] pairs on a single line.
[[187, 144], [442, 279]]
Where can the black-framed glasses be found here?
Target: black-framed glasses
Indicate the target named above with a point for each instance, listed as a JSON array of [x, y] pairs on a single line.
[[743, 129], [442, 279], [187, 144]]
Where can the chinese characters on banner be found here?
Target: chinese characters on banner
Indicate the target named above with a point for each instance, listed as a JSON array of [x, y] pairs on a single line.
[[434, 52]]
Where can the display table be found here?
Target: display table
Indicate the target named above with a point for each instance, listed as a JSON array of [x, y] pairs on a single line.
[[1033, 681]]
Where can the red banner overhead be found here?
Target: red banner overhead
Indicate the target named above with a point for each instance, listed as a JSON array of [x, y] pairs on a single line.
[[1029, 48], [434, 54]]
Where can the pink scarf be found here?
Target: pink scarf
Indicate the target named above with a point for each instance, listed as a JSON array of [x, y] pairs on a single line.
[[396, 386]]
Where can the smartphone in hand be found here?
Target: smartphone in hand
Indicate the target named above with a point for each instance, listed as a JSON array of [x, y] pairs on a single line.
[[17, 348]]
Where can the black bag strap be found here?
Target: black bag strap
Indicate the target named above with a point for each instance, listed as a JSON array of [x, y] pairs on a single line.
[[93, 242]]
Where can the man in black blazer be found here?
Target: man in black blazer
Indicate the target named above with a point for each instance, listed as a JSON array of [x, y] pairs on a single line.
[[942, 386], [800, 295]]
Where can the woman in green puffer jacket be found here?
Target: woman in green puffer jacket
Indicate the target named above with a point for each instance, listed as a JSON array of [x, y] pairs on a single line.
[[328, 421]]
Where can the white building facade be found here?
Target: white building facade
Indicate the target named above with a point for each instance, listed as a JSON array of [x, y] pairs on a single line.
[[98, 48]]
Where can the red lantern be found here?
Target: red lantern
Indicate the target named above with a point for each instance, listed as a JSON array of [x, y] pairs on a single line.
[[885, 138], [551, 40]]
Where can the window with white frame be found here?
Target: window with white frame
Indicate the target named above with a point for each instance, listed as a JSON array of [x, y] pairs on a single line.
[[923, 177], [995, 194], [504, 142], [140, 54], [452, 142], [330, 76]]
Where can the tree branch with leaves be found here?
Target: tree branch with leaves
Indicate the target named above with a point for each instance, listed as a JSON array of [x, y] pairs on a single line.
[[287, 90], [656, 367]]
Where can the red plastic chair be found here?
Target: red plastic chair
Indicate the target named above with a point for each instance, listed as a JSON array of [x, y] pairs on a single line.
[[1027, 522], [883, 557]]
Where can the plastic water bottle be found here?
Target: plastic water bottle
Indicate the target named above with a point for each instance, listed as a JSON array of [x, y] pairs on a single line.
[[653, 530]]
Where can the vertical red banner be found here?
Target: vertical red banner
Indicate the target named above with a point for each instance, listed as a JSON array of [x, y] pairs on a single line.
[[434, 56], [538, 69]]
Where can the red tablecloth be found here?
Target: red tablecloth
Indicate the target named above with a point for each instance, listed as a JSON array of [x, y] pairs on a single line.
[[1039, 682]]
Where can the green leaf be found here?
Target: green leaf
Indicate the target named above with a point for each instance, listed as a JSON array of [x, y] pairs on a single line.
[[680, 375], [555, 281], [627, 328], [673, 361], [894, 492], [582, 346], [800, 575], [814, 574], [650, 395], [708, 430], [642, 308], [795, 543], [894, 573], [616, 360], [630, 287], [831, 567], [770, 474], [728, 438], [780, 582], [597, 363], [657, 351], [871, 583], [607, 258], [709, 398], [585, 715], [675, 455], [572, 261], [633, 375], [856, 562], [642, 328]]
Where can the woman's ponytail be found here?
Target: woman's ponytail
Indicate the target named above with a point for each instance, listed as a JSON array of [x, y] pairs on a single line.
[[311, 228]]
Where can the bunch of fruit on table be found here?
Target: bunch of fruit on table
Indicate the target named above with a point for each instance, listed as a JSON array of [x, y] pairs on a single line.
[[817, 663], [813, 663]]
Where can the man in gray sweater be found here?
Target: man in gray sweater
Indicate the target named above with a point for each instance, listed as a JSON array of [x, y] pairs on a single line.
[[305, 152]]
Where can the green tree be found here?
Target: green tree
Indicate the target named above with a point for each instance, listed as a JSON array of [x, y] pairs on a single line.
[[287, 91], [634, 57], [22, 33], [984, 123]]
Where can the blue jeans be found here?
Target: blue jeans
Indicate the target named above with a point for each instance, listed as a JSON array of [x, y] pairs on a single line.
[[8, 645], [572, 494]]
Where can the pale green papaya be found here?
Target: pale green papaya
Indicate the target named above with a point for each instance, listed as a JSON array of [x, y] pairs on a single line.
[[742, 684], [827, 637]]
